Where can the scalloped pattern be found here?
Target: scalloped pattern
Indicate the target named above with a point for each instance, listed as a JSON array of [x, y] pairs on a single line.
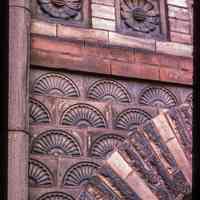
[[105, 144], [56, 142], [109, 90], [130, 119], [158, 97], [79, 173], [55, 84], [83, 115], [39, 174], [38, 113]]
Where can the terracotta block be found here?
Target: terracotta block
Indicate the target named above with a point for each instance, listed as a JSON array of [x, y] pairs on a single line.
[[180, 38], [18, 68], [179, 26], [173, 48], [167, 134], [181, 159], [163, 127], [90, 35], [43, 28], [186, 64], [119, 165], [102, 11], [140, 187], [105, 2], [64, 61], [178, 13], [18, 147], [176, 76], [54, 45], [137, 70], [130, 41], [104, 24], [181, 3]]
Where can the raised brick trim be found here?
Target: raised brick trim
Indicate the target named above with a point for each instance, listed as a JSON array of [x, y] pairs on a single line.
[[104, 59], [114, 39]]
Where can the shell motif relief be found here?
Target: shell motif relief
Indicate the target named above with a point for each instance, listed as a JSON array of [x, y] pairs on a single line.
[[62, 9], [140, 15]]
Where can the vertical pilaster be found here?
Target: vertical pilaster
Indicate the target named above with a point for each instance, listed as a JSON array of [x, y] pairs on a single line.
[[19, 34]]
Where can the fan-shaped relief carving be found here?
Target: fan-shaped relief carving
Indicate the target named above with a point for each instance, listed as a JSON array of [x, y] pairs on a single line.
[[56, 196], [83, 115], [157, 96], [61, 9], [130, 119], [38, 113], [105, 144], [79, 173], [109, 90], [39, 174], [189, 99], [56, 142], [141, 16], [55, 84]]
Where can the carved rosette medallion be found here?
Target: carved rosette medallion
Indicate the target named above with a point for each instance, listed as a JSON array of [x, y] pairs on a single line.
[[141, 17], [61, 9]]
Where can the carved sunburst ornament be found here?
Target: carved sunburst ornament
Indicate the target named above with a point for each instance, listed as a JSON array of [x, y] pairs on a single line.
[[140, 15], [63, 9]]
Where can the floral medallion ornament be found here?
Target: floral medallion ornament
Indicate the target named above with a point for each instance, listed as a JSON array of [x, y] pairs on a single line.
[[62, 9], [141, 16]]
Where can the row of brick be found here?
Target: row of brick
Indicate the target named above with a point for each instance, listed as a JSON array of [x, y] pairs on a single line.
[[110, 38], [103, 59]]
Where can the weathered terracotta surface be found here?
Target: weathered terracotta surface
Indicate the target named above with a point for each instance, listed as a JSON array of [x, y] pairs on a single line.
[[77, 121], [150, 164]]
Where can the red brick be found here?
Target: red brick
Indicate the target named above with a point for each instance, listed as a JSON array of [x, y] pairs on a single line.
[[113, 53], [169, 61], [157, 59], [66, 61], [147, 58], [54, 45], [175, 76], [180, 37], [186, 64], [135, 70], [178, 12], [179, 25]]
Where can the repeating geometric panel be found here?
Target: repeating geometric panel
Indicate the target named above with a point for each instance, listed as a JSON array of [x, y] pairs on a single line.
[[56, 196], [105, 144], [55, 84], [131, 118], [77, 121], [79, 173], [39, 174], [38, 113], [108, 90], [158, 97], [83, 115], [56, 142]]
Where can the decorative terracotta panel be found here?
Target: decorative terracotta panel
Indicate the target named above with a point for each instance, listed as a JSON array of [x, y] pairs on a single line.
[[143, 18], [73, 12], [78, 121]]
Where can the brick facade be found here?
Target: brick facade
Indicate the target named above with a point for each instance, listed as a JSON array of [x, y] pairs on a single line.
[[89, 77]]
